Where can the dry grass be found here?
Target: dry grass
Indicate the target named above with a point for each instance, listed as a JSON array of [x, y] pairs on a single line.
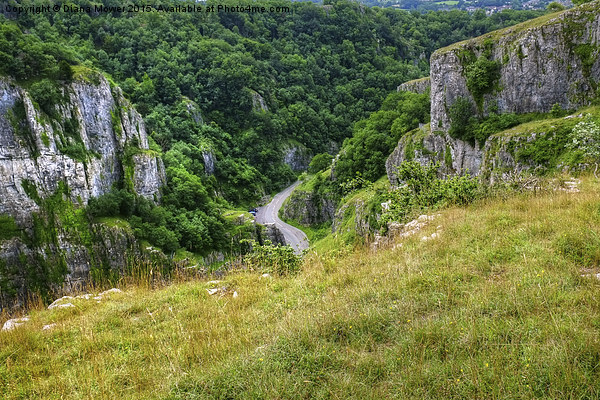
[[496, 307]]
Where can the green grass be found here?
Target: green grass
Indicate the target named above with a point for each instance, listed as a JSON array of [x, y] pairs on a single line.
[[113, 222], [8, 227], [448, 2], [496, 307], [313, 233], [237, 216], [310, 182]]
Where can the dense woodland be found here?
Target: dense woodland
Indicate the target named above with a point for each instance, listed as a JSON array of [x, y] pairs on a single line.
[[320, 69]]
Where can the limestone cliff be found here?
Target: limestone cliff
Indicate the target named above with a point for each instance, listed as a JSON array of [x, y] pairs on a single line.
[[53, 159], [546, 61], [421, 86], [91, 141], [529, 67], [296, 156], [310, 207], [424, 146]]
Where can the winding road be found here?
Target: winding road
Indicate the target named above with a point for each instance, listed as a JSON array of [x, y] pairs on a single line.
[[269, 215]]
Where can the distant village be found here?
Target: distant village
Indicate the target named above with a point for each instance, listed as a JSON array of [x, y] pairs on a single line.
[[489, 6]]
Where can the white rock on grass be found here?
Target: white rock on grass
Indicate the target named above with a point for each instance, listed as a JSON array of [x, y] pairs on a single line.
[[14, 323], [48, 327], [65, 305], [109, 291], [55, 302], [433, 236]]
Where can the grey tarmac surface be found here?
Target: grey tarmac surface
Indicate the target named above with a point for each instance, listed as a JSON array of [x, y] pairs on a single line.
[[269, 214]]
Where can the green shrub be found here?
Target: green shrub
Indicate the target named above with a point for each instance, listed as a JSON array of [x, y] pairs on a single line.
[[65, 72], [461, 119], [375, 138], [8, 227], [557, 111], [482, 76], [280, 260], [112, 204], [423, 190], [47, 95]]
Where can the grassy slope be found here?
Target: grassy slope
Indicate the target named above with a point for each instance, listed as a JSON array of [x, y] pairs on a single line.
[[494, 308]]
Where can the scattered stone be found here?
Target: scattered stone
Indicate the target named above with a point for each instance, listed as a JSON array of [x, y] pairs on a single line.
[[48, 327], [221, 291], [397, 230], [386, 206], [235, 294], [213, 282], [86, 296], [14, 323], [265, 276], [426, 238], [570, 186], [65, 305], [597, 276], [109, 291], [55, 302]]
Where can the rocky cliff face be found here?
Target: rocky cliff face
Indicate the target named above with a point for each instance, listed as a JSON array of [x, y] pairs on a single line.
[[530, 67], [546, 61], [310, 208], [296, 156], [52, 161], [421, 86], [86, 144], [421, 145]]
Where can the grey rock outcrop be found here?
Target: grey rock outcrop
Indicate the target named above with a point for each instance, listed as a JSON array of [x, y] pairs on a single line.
[[357, 214], [297, 157], [194, 111], [82, 146], [309, 208], [454, 156], [546, 61], [258, 102], [421, 86], [209, 162], [94, 119], [273, 234]]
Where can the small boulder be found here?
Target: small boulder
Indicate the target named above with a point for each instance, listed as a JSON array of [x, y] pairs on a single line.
[[14, 323], [109, 291], [48, 327]]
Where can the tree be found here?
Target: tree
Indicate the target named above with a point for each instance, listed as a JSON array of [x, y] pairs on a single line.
[[319, 163], [555, 6]]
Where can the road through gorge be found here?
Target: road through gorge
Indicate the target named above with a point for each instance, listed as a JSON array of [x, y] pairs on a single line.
[[269, 215]]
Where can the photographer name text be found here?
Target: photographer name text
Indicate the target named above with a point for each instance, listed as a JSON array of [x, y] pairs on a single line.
[[134, 8]]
